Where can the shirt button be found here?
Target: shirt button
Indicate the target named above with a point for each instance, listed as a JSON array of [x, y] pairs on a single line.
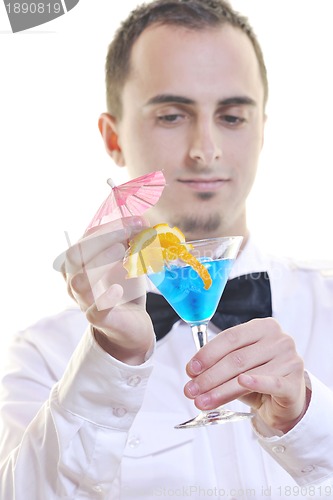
[[119, 412], [134, 381], [134, 441], [307, 469], [279, 449]]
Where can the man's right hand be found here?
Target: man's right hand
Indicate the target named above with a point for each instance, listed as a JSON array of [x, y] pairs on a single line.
[[114, 305]]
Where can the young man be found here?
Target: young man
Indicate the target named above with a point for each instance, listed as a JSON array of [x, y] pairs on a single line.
[[90, 404]]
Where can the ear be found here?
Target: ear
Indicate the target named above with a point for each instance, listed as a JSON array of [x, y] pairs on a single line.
[[263, 131], [108, 130]]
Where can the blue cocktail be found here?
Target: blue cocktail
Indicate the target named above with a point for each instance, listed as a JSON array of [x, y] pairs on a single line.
[[184, 289]]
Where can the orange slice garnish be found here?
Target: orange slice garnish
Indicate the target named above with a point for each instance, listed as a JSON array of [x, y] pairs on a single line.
[[151, 248]]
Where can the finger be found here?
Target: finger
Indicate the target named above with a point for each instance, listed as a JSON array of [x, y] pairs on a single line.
[[79, 288], [283, 389], [97, 249], [263, 355], [287, 398], [81, 255], [113, 316], [97, 313], [217, 394], [102, 278], [72, 260], [113, 254], [224, 343], [264, 384], [75, 261], [279, 378], [135, 223]]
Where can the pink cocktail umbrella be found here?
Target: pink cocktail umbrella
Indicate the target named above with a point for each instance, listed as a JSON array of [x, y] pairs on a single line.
[[131, 198]]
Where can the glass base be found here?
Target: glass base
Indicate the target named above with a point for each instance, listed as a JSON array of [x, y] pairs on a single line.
[[212, 417]]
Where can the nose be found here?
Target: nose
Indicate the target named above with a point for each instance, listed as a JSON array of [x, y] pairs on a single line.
[[205, 148]]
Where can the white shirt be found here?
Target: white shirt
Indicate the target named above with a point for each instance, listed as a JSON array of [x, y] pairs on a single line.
[[78, 424]]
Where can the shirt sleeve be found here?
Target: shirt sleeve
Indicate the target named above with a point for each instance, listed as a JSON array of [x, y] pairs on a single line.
[[305, 452], [72, 447]]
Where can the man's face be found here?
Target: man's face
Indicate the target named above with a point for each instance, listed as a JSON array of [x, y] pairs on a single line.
[[193, 107]]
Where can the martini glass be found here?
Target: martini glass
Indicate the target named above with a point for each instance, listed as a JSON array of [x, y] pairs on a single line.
[[183, 288]]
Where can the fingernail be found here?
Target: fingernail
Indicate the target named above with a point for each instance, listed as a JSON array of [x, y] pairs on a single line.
[[204, 401], [195, 366], [134, 221], [193, 389], [115, 291], [76, 282]]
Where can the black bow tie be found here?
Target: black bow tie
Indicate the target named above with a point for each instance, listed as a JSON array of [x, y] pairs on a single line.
[[244, 298]]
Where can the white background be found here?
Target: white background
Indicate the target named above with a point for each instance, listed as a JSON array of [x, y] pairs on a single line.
[[54, 167]]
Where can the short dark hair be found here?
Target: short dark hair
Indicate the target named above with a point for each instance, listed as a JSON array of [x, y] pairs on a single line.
[[191, 14]]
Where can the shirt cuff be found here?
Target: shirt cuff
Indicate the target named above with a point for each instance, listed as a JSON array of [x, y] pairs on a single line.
[[101, 389], [305, 452]]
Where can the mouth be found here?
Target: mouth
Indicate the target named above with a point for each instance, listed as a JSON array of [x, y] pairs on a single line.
[[202, 185]]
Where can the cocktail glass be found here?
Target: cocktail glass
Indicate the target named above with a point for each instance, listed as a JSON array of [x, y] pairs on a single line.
[[183, 288]]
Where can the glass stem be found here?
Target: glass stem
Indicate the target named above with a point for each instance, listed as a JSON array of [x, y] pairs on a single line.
[[200, 334]]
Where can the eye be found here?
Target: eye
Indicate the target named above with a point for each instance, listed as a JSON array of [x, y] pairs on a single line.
[[232, 120], [233, 116], [170, 118]]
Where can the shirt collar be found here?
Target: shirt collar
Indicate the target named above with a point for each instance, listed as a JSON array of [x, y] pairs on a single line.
[[249, 260]]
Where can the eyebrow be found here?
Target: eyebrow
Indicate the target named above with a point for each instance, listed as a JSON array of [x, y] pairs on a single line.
[[171, 98], [236, 101], [168, 98]]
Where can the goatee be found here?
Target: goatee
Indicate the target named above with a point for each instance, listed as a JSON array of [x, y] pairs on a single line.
[[193, 224]]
